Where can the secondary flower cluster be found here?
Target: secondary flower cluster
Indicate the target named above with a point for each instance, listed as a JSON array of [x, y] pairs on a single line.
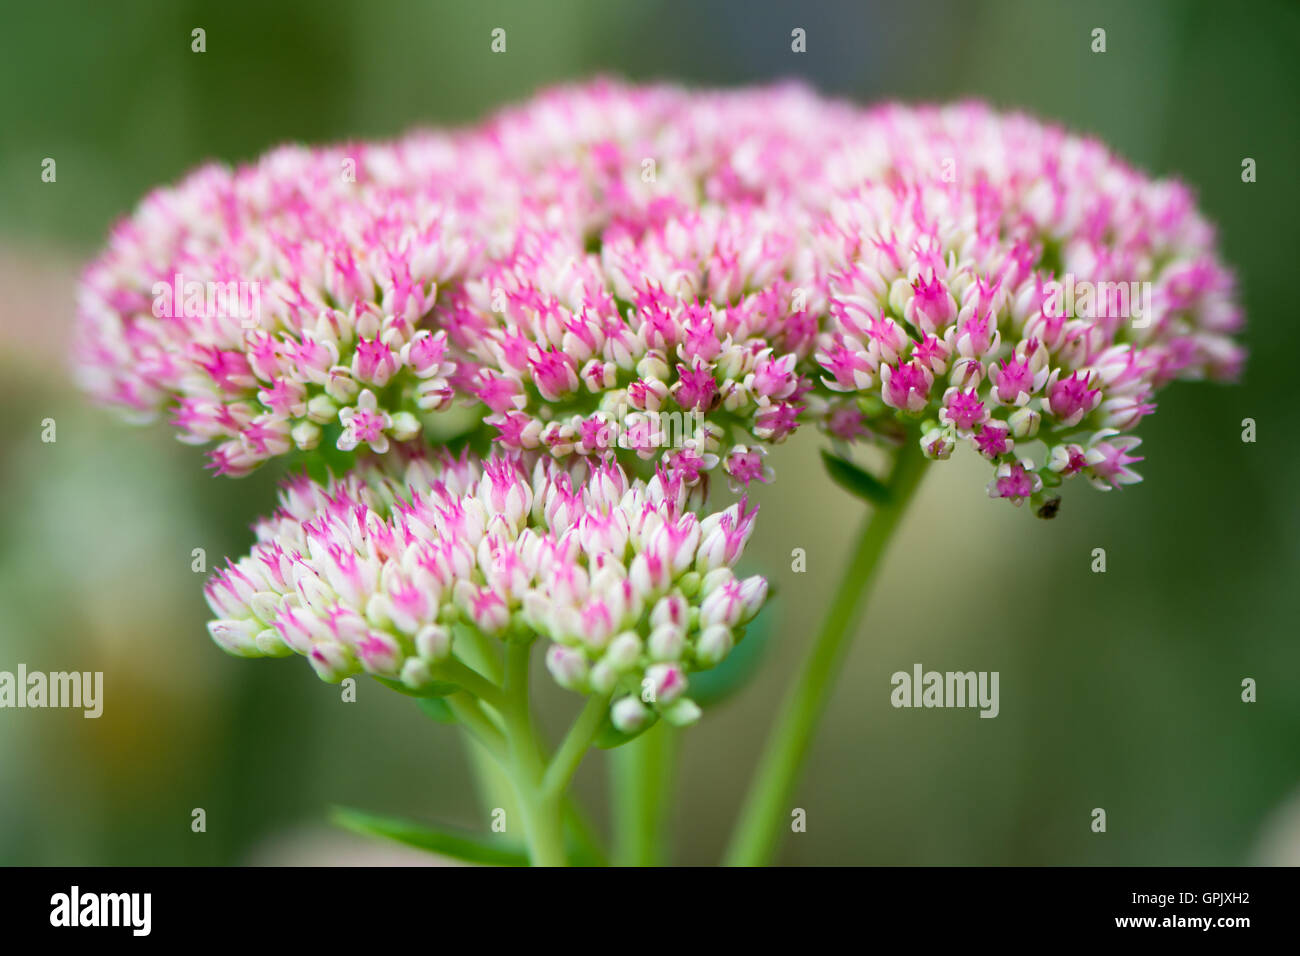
[[391, 567]]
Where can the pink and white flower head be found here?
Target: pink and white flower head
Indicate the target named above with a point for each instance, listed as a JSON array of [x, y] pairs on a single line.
[[958, 227], [261, 305], [599, 250], [377, 572], [672, 276]]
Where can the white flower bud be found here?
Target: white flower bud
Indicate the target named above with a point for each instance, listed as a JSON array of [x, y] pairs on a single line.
[[683, 712], [568, 666], [322, 410], [235, 637], [433, 394], [652, 367], [433, 642], [341, 386], [270, 644], [306, 435], [623, 651], [416, 674], [405, 426], [753, 592], [717, 578], [667, 642], [713, 645], [629, 715], [668, 681], [1024, 422], [602, 677]]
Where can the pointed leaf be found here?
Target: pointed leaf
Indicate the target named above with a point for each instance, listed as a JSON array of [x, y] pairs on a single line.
[[857, 482], [445, 841], [436, 689], [437, 709], [609, 736]]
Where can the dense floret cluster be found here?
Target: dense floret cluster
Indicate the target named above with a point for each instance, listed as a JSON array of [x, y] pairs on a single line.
[[386, 569], [632, 281]]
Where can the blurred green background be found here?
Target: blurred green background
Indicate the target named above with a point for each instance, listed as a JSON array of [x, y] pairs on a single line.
[[1119, 691]]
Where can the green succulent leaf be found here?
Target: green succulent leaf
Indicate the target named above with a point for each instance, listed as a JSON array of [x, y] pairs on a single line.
[[436, 689], [437, 709], [856, 481], [609, 736], [446, 841]]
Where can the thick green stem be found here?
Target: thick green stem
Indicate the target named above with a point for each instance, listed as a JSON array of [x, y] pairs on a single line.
[[495, 788], [584, 841], [643, 777], [495, 774], [767, 807], [542, 825], [540, 810]]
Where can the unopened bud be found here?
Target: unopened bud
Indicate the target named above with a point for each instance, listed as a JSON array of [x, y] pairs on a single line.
[[629, 715]]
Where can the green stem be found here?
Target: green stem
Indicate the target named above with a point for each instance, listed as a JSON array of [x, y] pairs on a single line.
[[643, 776], [586, 843], [575, 745], [496, 789], [761, 823], [453, 671], [541, 810], [480, 726]]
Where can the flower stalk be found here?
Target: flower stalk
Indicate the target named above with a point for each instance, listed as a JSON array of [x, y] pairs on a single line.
[[540, 808], [643, 773], [757, 834]]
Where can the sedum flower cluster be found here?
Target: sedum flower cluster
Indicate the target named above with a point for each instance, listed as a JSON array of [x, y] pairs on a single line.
[[605, 269], [1004, 283], [617, 281], [388, 569]]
